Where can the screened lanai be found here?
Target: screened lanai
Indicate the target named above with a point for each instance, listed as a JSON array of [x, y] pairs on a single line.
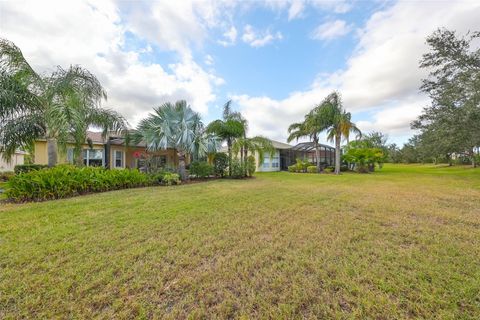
[[306, 151]]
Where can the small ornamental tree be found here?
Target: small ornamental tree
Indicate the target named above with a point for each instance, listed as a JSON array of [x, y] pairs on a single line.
[[363, 156], [220, 164]]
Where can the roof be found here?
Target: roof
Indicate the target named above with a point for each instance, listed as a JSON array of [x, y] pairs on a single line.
[[96, 137], [309, 146], [280, 145]]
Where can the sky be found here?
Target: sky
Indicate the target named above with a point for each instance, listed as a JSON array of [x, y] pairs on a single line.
[[274, 59]]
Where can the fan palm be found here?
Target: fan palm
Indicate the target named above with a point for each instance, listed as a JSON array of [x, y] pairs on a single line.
[[178, 127], [338, 123], [229, 128], [59, 107]]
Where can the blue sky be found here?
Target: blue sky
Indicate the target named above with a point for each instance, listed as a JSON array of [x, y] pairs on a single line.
[[274, 59]]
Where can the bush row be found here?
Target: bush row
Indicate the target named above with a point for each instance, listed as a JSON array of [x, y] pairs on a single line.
[[67, 181], [24, 168]]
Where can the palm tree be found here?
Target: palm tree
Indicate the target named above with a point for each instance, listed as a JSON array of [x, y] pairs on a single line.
[[178, 127], [338, 123], [257, 145], [311, 127], [229, 128], [59, 107]]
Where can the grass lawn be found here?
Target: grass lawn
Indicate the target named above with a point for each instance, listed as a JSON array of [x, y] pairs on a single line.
[[400, 243], [2, 186]]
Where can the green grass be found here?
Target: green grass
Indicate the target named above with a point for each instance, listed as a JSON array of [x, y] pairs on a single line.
[[400, 243], [3, 185]]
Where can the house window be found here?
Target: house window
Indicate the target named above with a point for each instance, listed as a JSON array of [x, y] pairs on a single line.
[[92, 157], [275, 162], [118, 158], [266, 162], [70, 155]]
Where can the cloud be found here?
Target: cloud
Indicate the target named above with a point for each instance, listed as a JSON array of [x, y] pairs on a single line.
[[381, 76], [331, 30], [259, 39], [296, 9], [230, 37], [56, 33], [209, 60]]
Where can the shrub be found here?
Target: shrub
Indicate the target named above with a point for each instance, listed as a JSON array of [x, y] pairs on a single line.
[[170, 179], [201, 169], [220, 164], [157, 177], [6, 175], [302, 165], [251, 165], [67, 180], [238, 170], [292, 168], [312, 169], [24, 168], [329, 169]]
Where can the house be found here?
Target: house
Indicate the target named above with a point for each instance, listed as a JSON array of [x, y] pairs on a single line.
[[17, 159], [110, 152], [286, 155]]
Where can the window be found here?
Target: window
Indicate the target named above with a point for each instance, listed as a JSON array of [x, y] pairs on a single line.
[[118, 158], [275, 162], [92, 157], [266, 162], [70, 155]]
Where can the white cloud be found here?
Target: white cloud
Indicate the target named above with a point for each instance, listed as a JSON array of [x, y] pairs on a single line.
[[209, 60], [381, 76], [259, 39], [296, 9], [230, 37], [331, 30], [56, 33]]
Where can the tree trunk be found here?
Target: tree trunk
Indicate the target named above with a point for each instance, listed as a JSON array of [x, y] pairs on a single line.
[[337, 154], [245, 157], [317, 155], [474, 164], [181, 165], [79, 159], [229, 146], [52, 150]]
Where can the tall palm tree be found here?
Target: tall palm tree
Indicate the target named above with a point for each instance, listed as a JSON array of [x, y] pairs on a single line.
[[59, 107], [338, 123], [311, 127], [229, 128], [178, 127]]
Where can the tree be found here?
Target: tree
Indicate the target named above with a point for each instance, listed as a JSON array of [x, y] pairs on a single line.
[[451, 125], [313, 124], [59, 107], [178, 127], [229, 128], [257, 145], [337, 123], [364, 155]]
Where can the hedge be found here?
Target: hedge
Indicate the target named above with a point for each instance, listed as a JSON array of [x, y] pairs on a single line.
[[24, 168], [67, 180]]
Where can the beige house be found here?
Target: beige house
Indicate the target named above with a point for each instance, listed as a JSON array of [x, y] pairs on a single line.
[[111, 152], [272, 162], [286, 155], [17, 159]]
